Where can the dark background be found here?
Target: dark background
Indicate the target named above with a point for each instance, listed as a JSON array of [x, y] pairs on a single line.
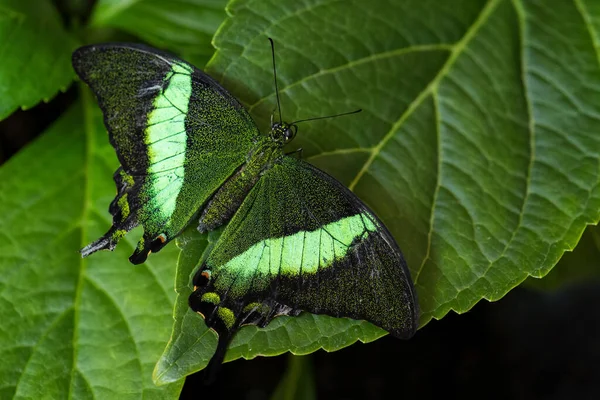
[[529, 345]]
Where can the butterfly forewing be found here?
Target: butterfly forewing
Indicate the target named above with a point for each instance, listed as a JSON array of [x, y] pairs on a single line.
[[302, 241], [178, 135]]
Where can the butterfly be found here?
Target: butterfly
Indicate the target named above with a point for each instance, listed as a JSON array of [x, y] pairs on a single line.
[[294, 238]]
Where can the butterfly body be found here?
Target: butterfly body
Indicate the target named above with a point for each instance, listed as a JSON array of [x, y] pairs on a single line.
[[228, 198], [294, 238]]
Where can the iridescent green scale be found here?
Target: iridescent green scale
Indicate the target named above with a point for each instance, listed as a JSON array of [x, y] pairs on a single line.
[[177, 138], [295, 238]]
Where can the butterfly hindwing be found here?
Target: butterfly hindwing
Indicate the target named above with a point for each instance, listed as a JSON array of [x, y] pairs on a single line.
[[177, 133], [302, 241]]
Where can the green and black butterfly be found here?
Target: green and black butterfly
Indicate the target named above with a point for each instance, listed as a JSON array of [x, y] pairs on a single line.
[[295, 238]]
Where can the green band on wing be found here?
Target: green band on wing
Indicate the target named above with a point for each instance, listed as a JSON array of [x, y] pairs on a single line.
[[301, 253], [166, 139]]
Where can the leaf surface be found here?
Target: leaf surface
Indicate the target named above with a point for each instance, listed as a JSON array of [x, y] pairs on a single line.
[[35, 65], [183, 26], [71, 327], [477, 145]]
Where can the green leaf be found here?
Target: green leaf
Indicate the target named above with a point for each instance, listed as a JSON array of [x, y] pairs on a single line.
[[73, 328], [183, 26], [477, 144], [581, 265], [36, 54]]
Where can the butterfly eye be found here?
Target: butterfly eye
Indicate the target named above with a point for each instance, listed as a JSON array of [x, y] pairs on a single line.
[[290, 133]]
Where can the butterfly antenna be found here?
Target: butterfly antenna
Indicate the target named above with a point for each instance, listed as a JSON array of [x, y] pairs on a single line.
[[327, 116], [275, 78]]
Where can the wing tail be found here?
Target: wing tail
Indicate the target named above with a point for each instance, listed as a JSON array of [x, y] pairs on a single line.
[[103, 243], [214, 365]]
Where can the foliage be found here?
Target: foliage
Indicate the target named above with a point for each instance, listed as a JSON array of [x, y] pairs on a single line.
[[477, 146]]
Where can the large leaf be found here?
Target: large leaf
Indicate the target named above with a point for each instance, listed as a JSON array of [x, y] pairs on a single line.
[[73, 328], [185, 27], [36, 54], [478, 145]]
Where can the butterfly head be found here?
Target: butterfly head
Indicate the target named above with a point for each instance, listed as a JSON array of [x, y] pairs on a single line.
[[282, 132]]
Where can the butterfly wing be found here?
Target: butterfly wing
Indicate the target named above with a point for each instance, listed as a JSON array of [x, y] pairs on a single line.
[[302, 241], [177, 133]]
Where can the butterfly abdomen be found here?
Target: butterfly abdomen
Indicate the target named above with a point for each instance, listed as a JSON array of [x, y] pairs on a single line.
[[228, 198]]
